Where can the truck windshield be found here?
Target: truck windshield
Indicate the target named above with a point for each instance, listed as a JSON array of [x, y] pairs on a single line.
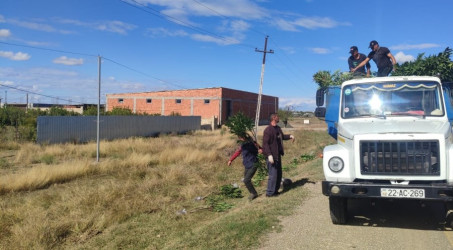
[[391, 99]]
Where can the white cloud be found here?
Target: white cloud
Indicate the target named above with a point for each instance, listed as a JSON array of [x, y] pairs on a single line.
[[239, 26], [39, 26], [285, 25], [318, 22], [68, 61], [19, 56], [162, 32], [2, 19], [115, 27], [7, 83], [109, 26], [309, 23], [320, 50], [181, 9], [402, 58], [207, 38], [414, 46], [297, 103], [132, 86], [5, 33]]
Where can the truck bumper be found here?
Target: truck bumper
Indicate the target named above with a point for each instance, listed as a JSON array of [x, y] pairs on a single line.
[[442, 192]]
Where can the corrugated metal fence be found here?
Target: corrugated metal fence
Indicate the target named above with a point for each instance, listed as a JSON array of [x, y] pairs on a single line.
[[61, 129]]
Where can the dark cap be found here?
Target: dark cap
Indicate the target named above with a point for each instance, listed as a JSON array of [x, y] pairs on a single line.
[[352, 49], [372, 43]]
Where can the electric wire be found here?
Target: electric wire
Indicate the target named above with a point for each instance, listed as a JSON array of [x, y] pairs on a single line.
[[34, 93], [102, 57], [261, 33], [142, 73], [226, 17], [177, 21], [53, 50]]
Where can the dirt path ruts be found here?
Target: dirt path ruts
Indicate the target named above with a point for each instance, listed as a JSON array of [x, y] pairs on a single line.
[[386, 225]]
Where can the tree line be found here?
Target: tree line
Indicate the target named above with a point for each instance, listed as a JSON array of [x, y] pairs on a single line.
[[439, 65]]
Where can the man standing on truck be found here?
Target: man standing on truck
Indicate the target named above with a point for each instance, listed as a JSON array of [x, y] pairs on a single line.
[[273, 149], [355, 59], [384, 60]]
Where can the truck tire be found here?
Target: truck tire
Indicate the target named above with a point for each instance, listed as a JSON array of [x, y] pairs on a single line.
[[449, 219], [338, 210]]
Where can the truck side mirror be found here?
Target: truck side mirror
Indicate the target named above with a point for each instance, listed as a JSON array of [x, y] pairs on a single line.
[[320, 97], [320, 112]]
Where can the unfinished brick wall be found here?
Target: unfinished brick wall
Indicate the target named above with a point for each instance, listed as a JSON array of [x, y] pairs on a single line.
[[206, 103], [246, 102]]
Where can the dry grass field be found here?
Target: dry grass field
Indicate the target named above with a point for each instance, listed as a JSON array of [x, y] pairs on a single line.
[[57, 196]]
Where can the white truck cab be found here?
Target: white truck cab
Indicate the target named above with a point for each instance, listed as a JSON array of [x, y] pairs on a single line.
[[394, 141]]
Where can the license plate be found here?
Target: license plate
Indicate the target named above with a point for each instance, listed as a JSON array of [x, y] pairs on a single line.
[[403, 193]]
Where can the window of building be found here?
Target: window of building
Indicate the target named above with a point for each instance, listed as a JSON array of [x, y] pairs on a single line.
[[149, 100], [120, 100], [178, 100], [207, 101]]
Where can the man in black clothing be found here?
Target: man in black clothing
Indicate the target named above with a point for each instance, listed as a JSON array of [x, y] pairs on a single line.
[[355, 59], [384, 60], [273, 150]]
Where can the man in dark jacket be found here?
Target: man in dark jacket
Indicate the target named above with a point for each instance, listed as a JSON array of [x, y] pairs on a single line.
[[355, 59], [249, 150], [384, 60], [273, 150]]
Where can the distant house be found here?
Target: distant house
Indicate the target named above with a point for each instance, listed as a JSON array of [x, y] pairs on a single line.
[[210, 103], [77, 108]]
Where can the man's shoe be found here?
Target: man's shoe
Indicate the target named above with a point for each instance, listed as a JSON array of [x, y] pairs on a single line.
[[272, 195], [252, 196]]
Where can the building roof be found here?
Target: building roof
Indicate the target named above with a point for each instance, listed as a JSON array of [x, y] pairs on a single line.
[[161, 91]]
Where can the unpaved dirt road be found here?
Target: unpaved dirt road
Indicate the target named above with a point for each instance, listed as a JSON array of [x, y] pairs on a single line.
[[399, 225]]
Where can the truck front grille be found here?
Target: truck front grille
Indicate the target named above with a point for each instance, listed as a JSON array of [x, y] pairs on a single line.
[[399, 157]]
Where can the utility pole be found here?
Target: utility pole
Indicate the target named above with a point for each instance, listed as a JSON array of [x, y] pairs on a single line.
[[99, 109], [26, 105], [258, 107]]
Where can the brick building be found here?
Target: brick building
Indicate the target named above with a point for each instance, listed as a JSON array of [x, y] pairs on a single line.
[[208, 103]]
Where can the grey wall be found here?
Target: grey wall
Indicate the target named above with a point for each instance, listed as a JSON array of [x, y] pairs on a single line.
[[61, 129]]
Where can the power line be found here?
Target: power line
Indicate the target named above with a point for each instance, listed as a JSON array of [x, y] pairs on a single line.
[[53, 50], [259, 32], [76, 53], [287, 57], [183, 23], [34, 93], [226, 17], [129, 68]]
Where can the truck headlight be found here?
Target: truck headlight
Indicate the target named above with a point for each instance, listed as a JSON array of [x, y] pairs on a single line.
[[336, 164]]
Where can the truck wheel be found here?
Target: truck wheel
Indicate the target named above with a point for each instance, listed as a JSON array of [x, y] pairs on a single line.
[[449, 219], [338, 210]]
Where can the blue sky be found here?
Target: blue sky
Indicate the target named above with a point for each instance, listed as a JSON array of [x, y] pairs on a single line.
[[50, 47]]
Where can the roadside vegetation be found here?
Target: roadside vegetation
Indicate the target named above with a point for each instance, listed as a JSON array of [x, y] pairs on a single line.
[[173, 191], [19, 125]]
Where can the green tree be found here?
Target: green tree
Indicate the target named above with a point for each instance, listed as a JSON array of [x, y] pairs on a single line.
[[439, 65], [59, 111], [241, 125], [120, 111], [325, 78], [93, 110], [285, 114]]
